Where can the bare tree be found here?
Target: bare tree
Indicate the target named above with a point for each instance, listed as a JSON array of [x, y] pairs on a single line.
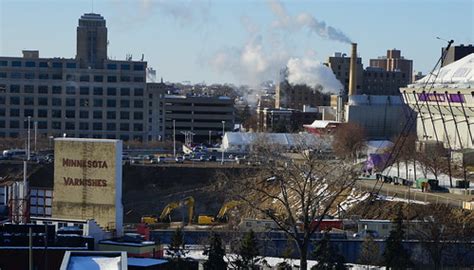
[[434, 160], [295, 191], [348, 140]]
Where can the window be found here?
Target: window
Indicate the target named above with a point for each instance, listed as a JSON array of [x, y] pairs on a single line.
[[112, 66], [14, 124], [57, 90], [124, 115], [28, 89], [30, 64], [97, 114], [125, 78], [28, 101], [56, 125], [111, 91], [83, 102], [28, 112], [29, 76], [138, 115], [138, 104], [14, 112], [14, 100], [125, 92], [42, 113], [98, 102], [124, 127], [42, 124], [138, 67], [14, 88], [15, 75], [3, 63], [43, 89], [2, 125], [84, 78], [43, 64], [57, 65], [139, 79], [43, 76], [111, 115], [124, 103], [70, 126], [111, 127], [42, 101], [2, 100], [84, 126], [125, 66], [138, 92], [97, 126], [70, 102], [138, 127], [56, 102], [16, 63], [98, 78], [56, 113], [70, 90], [70, 114], [98, 91], [70, 65], [57, 77], [3, 74], [111, 78], [111, 103], [84, 91], [83, 114]]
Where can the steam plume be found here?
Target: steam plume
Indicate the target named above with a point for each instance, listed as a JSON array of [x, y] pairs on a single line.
[[312, 73]]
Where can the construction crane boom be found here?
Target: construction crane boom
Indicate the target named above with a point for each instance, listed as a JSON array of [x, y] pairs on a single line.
[[165, 214]]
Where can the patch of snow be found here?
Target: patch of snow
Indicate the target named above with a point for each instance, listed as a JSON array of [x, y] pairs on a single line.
[[395, 199], [94, 263]]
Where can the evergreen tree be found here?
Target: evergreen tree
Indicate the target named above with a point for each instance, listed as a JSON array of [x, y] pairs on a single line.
[[369, 252], [328, 258], [395, 256], [215, 254], [177, 249], [248, 252]]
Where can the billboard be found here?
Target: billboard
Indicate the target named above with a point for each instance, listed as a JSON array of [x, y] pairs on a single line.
[[88, 181]]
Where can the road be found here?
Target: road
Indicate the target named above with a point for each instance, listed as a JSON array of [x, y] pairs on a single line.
[[405, 192]]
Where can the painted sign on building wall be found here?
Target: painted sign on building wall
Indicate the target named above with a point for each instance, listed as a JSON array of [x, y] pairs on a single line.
[[88, 180], [436, 97]]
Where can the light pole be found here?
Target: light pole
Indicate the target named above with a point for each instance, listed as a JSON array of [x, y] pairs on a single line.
[[35, 124], [50, 139], [28, 144], [174, 138], [222, 142], [210, 131]]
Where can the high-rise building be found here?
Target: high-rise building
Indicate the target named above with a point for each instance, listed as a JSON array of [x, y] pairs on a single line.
[[297, 96], [341, 66], [91, 41], [456, 52], [394, 61]]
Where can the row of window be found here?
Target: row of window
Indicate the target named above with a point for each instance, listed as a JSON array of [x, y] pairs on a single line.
[[71, 77], [85, 126], [81, 135], [55, 64], [43, 113], [72, 102], [73, 90]]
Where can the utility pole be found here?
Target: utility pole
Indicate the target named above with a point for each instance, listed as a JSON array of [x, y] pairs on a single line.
[[28, 142], [222, 142], [210, 131], [36, 132], [174, 138]]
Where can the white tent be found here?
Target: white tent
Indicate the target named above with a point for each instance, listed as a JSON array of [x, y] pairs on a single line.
[[242, 142]]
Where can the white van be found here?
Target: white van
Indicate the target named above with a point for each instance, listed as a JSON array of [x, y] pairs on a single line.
[[14, 153]]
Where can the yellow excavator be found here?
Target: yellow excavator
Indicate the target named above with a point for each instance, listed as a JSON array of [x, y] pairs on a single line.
[[221, 216], [165, 216]]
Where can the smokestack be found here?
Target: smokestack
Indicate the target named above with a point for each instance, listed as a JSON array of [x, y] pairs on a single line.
[[353, 71]]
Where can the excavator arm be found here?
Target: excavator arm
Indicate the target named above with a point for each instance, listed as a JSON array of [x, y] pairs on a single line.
[[189, 202], [225, 208], [165, 214]]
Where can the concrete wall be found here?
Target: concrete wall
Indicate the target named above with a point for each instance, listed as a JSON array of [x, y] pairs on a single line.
[[93, 189]]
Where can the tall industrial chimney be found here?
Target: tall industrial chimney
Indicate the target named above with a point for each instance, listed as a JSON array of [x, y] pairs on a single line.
[[353, 71]]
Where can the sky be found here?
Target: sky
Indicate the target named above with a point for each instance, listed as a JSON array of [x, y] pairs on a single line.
[[241, 41]]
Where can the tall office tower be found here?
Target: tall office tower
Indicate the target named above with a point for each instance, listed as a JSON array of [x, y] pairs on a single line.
[[91, 41]]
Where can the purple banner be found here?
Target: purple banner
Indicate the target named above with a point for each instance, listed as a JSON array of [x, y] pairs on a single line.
[[435, 97]]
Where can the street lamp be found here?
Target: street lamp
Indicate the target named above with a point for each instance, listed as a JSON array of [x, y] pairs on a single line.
[[50, 139], [174, 138], [210, 131], [222, 142]]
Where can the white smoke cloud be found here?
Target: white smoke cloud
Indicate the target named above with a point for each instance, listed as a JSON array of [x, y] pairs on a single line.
[[304, 20], [312, 73]]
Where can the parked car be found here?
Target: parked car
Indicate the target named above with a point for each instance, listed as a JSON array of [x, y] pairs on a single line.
[[161, 159], [179, 160], [212, 158], [202, 158], [186, 156], [365, 233]]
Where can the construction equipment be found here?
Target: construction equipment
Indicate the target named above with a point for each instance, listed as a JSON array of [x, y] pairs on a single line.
[[165, 214], [221, 216], [189, 202]]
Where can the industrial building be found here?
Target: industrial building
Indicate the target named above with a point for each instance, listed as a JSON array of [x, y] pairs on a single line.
[[456, 53], [284, 120], [297, 96], [445, 104]]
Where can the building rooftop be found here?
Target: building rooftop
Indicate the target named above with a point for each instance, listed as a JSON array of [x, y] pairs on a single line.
[[458, 74]]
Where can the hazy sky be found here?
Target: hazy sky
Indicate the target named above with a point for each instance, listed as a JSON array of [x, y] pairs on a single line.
[[240, 41]]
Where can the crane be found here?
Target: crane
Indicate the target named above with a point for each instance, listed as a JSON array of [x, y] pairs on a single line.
[[189, 202], [221, 215]]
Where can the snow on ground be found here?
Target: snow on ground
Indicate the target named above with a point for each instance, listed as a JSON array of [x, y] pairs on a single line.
[[395, 199], [353, 199], [393, 171], [94, 263]]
